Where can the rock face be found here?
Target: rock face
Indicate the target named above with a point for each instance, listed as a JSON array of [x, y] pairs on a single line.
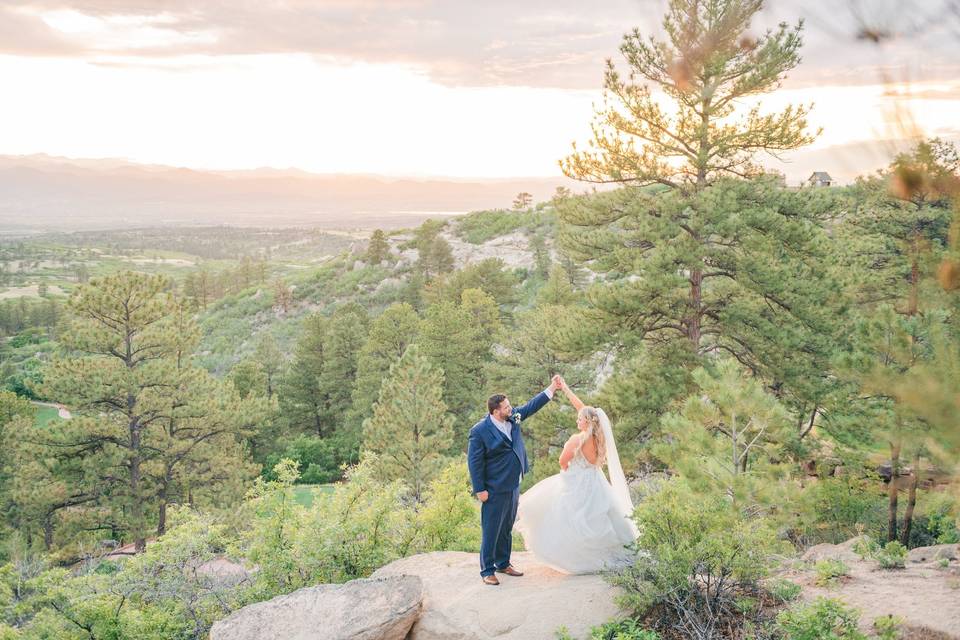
[[458, 606], [933, 554], [369, 609]]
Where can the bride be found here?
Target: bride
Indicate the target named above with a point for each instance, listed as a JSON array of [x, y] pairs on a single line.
[[576, 521]]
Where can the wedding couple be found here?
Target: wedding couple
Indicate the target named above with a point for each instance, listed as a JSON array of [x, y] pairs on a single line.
[[575, 521]]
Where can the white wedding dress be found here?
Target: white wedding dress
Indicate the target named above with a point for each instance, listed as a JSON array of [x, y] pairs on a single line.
[[576, 521]]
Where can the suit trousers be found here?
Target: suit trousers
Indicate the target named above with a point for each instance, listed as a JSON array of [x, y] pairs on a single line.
[[497, 515]]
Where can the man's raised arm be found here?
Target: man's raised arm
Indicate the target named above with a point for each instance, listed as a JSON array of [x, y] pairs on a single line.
[[540, 400]]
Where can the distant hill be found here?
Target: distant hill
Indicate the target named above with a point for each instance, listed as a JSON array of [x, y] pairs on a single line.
[[40, 192]]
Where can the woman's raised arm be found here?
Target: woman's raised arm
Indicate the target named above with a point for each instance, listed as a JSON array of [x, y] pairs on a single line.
[[571, 396]]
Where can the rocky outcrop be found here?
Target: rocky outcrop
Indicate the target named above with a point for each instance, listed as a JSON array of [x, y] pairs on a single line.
[[458, 606], [934, 554], [370, 609], [925, 593]]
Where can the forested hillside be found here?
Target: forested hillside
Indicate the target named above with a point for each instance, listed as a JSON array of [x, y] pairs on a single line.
[[255, 412]]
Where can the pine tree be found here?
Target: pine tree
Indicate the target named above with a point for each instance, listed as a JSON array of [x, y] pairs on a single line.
[[344, 338], [282, 295], [453, 339], [267, 354], [435, 256], [378, 249], [300, 402], [248, 378], [390, 335], [522, 201], [729, 438], [123, 330], [410, 429], [489, 274], [707, 64], [722, 265], [896, 232], [740, 268], [541, 257], [557, 290]]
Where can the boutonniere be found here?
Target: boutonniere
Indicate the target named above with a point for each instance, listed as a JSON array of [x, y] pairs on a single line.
[[517, 417]]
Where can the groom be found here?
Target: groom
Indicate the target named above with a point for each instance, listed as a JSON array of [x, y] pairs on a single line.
[[497, 461]]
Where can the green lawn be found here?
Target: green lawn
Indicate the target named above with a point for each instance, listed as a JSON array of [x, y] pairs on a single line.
[[45, 415], [304, 493]]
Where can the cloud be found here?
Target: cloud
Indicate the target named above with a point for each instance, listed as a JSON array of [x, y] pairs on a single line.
[[540, 43], [26, 35], [950, 92]]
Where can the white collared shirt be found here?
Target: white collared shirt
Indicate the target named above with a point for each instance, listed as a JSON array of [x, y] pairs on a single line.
[[505, 427]]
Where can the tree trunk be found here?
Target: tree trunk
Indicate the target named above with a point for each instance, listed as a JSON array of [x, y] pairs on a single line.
[[913, 304], [911, 503], [696, 305], [48, 532], [136, 506], [892, 492], [164, 490]]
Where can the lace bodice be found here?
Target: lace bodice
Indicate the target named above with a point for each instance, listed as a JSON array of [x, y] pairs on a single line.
[[579, 460]]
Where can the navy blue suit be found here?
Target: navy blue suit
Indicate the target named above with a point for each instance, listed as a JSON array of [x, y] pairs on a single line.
[[496, 464]]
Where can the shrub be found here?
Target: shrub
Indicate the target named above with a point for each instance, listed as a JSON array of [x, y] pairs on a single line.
[[936, 520], [866, 547], [449, 518], [319, 460], [829, 569], [835, 509], [783, 590], [888, 627], [480, 226], [823, 619], [628, 629], [892, 556], [700, 556]]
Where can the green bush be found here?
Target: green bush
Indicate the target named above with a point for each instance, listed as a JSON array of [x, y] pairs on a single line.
[[319, 460], [628, 629], [700, 556], [935, 521], [783, 590], [155, 595], [892, 556], [836, 509], [449, 518], [829, 569], [888, 627], [480, 226], [866, 547], [823, 619]]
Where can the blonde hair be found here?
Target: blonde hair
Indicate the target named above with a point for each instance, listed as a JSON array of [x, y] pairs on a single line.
[[595, 431]]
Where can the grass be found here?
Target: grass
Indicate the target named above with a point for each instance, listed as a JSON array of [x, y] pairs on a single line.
[[305, 493], [45, 415]]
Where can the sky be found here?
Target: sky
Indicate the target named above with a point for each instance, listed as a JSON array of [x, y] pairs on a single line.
[[460, 88]]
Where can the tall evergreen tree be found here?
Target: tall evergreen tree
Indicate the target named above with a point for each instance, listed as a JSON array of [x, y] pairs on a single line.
[[268, 355], [410, 429], [453, 339], [390, 335], [125, 338], [345, 336], [377, 249], [707, 64], [695, 262], [301, 406]]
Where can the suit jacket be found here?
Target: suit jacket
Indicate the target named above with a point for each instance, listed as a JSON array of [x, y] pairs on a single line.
[[495, 463]]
